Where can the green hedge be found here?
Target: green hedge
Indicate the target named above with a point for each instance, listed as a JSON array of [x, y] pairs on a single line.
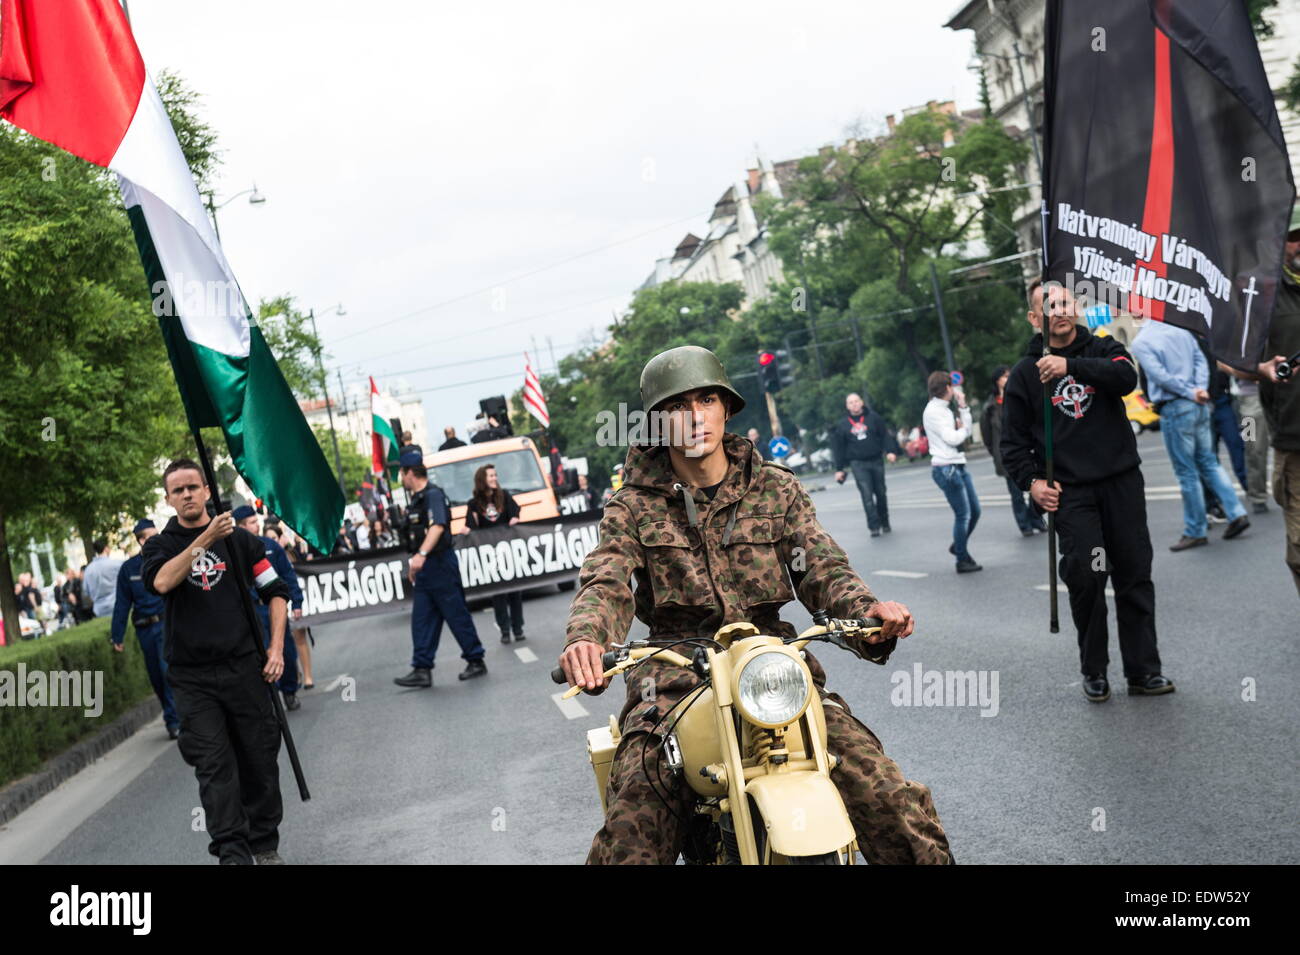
[[31, 734]]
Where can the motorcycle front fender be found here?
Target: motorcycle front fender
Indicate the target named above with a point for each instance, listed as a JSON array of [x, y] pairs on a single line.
[[803, 813]]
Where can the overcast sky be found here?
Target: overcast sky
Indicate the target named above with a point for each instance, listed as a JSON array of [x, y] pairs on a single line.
[[463, 178]]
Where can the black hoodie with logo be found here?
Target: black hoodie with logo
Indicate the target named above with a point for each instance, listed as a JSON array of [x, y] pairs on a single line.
[[205, 619], [1091, 436]]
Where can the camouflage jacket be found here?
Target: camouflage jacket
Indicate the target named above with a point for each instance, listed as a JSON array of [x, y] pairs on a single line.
[[728, 564]]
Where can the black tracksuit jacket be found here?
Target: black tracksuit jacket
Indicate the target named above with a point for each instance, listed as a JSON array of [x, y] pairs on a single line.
[[206, 620], [1091, 436], [846, 446]]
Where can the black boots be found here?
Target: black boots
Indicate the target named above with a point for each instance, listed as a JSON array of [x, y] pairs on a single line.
[[419, 677], [474, 668]]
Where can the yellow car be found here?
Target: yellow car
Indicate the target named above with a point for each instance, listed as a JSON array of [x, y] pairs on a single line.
[[1141, 416]]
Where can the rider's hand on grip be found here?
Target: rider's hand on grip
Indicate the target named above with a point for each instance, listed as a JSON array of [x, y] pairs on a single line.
[[895, 620], [584, 666]]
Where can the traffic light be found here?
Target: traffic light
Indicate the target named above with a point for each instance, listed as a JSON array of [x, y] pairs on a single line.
[[784, 367], [775, 370], [769, 372]]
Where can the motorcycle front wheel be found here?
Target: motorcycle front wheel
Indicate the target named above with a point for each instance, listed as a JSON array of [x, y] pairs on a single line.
[[826, 858]]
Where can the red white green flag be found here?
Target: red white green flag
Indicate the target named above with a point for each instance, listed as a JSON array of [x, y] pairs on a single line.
[[71, 74]]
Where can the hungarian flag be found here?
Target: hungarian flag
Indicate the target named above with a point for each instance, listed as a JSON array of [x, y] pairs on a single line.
[[70, 73], [1168, 186], [384, 443], [534, 400]]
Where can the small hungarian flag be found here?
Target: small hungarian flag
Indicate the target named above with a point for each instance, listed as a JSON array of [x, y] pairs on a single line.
[[1168, 188], [534, 400], [384, 444], [70, 73]]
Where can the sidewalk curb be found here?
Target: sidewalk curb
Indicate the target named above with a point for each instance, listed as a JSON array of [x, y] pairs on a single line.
[[22, 793]]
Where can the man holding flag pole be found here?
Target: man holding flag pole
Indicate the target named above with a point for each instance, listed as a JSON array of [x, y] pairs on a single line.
[[71, 74], [1149, 207]]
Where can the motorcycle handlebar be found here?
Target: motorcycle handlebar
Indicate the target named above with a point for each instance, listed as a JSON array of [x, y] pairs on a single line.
[[610, 658], [607, 661]]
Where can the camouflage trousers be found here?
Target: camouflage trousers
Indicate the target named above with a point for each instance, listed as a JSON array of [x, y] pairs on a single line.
[[894, 818]]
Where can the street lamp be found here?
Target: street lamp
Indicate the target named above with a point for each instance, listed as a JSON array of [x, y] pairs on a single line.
[[255, 199], [324, 387]]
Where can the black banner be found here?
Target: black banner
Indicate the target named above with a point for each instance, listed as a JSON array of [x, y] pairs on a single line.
[[1168, 188], [492, 561]]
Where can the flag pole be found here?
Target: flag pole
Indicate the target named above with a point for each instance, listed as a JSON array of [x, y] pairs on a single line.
[[1054, 622], [246, 599]]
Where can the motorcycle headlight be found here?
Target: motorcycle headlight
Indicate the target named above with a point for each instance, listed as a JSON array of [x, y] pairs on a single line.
[[772, 689]]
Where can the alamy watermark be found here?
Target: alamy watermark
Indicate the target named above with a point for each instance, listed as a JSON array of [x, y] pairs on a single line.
[[921, 687], [75, 688]]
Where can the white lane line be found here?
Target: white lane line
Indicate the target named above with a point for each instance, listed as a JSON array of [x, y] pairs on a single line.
[[525, 655], [908, 574], [335, 683], [1062, 589], [571, 708]]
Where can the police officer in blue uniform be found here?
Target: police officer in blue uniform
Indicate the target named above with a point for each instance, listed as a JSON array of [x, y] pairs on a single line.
[[148, 622], [248, 519], [437, 594]]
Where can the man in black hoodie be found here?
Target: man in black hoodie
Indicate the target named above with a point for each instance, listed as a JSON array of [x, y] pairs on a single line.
[[858, 440], [1099, 499], [229, 732]]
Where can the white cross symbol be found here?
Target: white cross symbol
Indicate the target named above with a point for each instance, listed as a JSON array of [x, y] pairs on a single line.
[[1245, 329]]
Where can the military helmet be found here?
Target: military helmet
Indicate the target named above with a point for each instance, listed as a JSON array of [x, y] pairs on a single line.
[[685, 368]]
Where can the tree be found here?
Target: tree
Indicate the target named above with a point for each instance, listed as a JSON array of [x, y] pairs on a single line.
[[857, 232], [288, 333], [356, 466]]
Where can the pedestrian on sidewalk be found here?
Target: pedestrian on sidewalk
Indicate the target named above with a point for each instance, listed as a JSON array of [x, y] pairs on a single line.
[[494, 506], [859, 441], [1179, 377], [1097, 493], [991, 432], [947, 433], [229, 731], [146, 612], [249, 520], [99, 580]]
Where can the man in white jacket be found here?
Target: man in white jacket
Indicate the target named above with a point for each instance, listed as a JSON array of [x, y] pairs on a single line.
[[947, 432]]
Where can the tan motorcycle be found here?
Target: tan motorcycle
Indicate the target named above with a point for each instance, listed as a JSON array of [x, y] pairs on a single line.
[[750, 741]]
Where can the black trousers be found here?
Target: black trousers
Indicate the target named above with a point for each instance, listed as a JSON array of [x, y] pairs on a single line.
[[230, 736], [509, 610], [870, 477], [1103, 533]]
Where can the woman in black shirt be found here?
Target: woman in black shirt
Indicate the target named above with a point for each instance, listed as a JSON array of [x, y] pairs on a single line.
[[492, 506]]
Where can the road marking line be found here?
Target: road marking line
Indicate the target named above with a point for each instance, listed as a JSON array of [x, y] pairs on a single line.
[[571, 708], [909, 574], [335, 683], [526, 655]]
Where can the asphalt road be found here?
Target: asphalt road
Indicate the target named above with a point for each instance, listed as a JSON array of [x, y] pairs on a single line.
[[494, 770]]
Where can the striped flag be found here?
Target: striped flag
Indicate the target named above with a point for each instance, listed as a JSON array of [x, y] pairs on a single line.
[[534, 400], [71, 74], [384, 444]]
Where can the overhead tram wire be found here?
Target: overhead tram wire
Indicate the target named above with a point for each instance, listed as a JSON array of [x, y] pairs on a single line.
[[515, 353], [490, 328], [522, 275]]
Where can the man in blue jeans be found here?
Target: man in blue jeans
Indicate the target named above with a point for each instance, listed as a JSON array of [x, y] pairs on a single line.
[[1178, 379], [947, 432], [146, 611]]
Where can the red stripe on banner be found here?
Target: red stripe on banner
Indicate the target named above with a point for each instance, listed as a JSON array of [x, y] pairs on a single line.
[[1160, 176], [70, 73]]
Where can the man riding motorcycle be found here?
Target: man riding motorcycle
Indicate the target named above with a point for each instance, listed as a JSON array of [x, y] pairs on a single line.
[[712, 534]]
